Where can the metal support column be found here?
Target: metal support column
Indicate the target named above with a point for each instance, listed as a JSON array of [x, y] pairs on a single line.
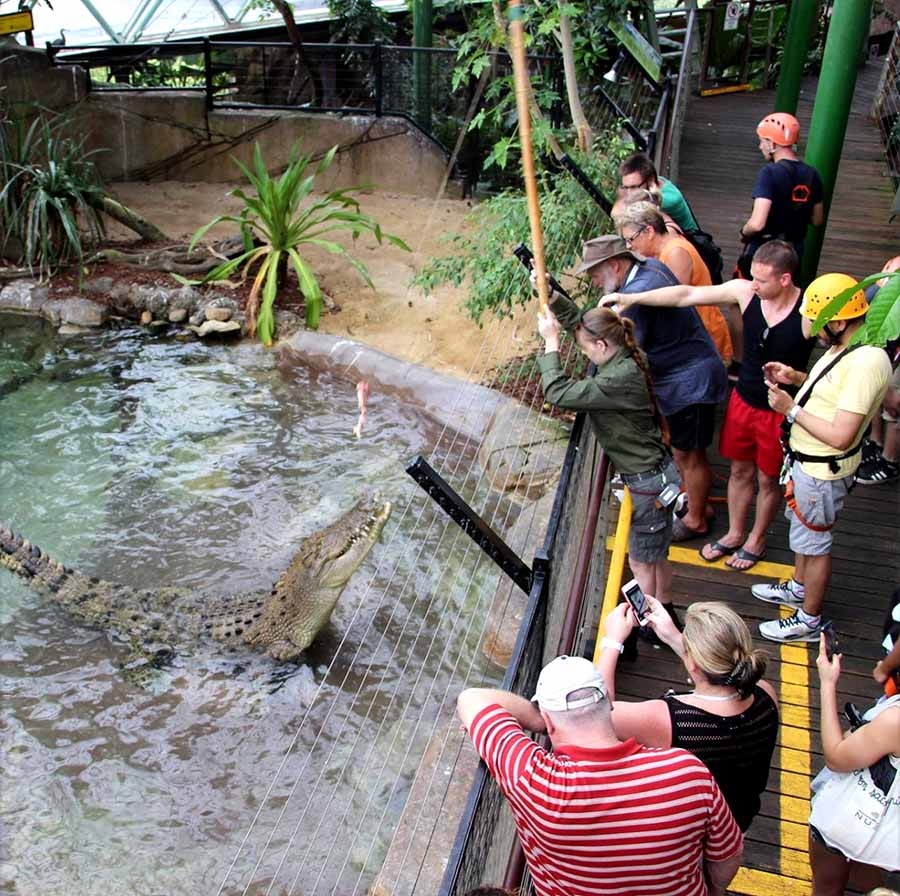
[[848, 30], [423, 18], [800, 26]]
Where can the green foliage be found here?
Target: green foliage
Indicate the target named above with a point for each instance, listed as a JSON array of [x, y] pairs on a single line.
[[50, 193], [482, 256], [274, 228], [883, 318]]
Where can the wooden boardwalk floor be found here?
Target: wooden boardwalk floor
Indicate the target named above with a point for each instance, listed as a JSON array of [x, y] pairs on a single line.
[[719, 163]]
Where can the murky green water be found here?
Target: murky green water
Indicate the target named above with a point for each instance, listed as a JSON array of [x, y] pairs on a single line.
[[155, 462]]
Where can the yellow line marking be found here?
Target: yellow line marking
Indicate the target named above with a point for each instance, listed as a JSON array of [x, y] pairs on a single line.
[[763, 883], [691, 557], [618, 544]]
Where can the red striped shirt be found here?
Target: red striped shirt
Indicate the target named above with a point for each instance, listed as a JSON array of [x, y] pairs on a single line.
[[626, 820]]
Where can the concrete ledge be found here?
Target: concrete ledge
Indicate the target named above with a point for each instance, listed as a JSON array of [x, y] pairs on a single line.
[[467, 408]]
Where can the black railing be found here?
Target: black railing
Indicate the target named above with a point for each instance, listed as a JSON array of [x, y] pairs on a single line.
[[369, 79]]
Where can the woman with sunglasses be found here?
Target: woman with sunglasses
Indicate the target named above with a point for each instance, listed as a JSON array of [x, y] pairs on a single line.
[[619, 401]]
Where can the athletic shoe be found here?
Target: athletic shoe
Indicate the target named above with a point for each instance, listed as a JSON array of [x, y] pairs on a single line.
[[877, 471], [785, 593], [870, 450], [793, 628]]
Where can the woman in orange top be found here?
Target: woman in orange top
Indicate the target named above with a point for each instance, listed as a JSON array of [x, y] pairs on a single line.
[[643, 228]]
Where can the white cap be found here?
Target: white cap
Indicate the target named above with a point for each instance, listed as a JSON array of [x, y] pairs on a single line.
[[564, 676]]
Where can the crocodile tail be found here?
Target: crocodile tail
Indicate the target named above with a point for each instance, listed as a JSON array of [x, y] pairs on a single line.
[[30, 562]]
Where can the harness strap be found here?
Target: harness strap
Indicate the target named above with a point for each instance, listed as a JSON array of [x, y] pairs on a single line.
[[791, 502]]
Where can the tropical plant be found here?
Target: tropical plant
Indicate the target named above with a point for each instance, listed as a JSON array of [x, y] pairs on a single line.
[[51, 191], [883, 317], [481, 256], [275, 226]]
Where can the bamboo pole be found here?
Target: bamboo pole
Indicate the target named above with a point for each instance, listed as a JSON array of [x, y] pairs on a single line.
[[520, 75]]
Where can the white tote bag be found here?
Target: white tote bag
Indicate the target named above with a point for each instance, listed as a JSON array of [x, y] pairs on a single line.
[[853, 814]]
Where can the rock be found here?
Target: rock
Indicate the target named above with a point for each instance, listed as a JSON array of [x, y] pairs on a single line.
[[23, 295], [286, 324], [197, 318], [72, 330], [77, 312], [214, 312], [178, 315], [523, 451], [98, 286], [185, 297], [146, 318], [217, 327]]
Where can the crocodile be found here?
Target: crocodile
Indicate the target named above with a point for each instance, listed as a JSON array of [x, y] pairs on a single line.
[[164, 621]]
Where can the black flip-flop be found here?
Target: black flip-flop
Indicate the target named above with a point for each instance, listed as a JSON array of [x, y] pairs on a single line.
[[749, 556], [723, 551]]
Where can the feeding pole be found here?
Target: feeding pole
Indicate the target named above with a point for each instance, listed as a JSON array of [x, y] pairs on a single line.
[[520, 74]]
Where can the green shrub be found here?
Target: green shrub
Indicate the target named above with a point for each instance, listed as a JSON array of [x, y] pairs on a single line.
[[483, 257]]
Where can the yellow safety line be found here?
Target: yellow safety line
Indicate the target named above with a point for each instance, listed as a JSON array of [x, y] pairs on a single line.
[[618, 544], [794, 775], [691, 556]]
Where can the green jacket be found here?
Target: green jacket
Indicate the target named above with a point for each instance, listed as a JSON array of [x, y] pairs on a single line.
[[616, 399]]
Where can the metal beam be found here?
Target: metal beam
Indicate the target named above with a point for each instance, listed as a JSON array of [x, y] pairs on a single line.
[[134, 18], [469, 521], [114, 36], [142, 24], [218, 8]]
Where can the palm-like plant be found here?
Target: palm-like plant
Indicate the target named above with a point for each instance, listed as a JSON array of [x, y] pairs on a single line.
[[49, 194], [275, 226]]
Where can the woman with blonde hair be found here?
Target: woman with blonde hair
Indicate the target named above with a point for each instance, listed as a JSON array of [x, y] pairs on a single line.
[[729, 720]]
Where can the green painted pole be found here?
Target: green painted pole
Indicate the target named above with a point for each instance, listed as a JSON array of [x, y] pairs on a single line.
[[801, 21], [423, 18], [848, 30]]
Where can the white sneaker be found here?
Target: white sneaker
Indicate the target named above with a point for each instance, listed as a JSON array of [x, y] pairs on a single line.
[[793, 628], [785, 593]]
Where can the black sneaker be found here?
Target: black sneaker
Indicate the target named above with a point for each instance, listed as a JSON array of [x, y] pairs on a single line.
[[877, 471], [870, 450]]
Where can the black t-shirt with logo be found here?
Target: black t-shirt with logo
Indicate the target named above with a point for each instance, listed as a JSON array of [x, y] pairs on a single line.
[[794, 189]]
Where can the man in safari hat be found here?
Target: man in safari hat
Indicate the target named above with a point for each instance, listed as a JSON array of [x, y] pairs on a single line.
[[688, 376], [571, 805]]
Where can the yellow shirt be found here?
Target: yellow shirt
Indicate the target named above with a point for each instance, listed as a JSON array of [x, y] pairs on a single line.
[[856, 384]]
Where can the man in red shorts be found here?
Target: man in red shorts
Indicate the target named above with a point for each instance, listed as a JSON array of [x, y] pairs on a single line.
[[774, 330]]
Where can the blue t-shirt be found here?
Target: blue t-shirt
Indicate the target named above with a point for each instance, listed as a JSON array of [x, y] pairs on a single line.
[[777, 181], [684, 363]]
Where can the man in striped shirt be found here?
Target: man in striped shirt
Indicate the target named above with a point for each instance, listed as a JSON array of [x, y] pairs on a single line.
[[599, 815]]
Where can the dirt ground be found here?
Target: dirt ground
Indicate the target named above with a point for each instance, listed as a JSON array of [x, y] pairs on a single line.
[[394, 317]]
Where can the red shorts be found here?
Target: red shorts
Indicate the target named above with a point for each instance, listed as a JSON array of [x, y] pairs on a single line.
[[749, 433]]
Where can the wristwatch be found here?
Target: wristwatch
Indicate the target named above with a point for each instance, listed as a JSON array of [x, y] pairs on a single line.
[[608, 642], [791, 415]]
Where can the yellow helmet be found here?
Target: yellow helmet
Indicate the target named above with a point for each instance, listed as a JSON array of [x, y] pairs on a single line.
[[823, 289]]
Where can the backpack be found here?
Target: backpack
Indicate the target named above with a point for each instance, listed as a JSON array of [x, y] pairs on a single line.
[[708, 250]]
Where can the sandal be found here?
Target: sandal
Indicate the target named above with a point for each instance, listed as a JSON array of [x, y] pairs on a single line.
[[748, 557], [683, 532], [722, 550]]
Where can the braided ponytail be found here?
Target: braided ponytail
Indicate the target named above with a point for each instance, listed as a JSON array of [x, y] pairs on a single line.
[[640, 359]]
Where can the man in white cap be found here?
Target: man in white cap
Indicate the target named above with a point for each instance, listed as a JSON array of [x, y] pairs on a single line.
[[599, 815]]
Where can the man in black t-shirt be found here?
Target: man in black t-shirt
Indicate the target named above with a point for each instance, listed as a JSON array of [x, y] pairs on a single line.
[[788, 194]]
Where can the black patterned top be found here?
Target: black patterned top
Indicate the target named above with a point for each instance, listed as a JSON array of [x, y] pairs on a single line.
[[736, 749]]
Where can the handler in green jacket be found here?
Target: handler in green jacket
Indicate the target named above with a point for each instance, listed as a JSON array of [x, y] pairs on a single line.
[[625, 417]]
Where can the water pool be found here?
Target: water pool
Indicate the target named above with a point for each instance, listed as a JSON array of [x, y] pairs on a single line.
[[159, 462]]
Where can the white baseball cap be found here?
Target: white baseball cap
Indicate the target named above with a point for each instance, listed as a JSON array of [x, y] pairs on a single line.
[[564, 676]]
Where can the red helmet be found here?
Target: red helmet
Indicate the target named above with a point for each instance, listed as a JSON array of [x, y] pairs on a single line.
[[779, 127]]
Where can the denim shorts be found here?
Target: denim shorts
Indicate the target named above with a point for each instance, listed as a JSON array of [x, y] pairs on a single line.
[[651, 526], [819, 501]]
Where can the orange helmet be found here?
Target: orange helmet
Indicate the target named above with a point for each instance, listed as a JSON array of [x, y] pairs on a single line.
[[823, 289], [779, 127]]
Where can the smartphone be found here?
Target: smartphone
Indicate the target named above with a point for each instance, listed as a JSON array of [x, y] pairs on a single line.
[[853, 716], [636, 600], [831, 640]]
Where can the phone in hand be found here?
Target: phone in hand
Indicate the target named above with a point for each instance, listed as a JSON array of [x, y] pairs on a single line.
[[637, 601], [831, 641], [853, 716]]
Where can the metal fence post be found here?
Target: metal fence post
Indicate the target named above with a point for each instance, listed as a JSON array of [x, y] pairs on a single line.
[[207, 73], [378, 71]]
